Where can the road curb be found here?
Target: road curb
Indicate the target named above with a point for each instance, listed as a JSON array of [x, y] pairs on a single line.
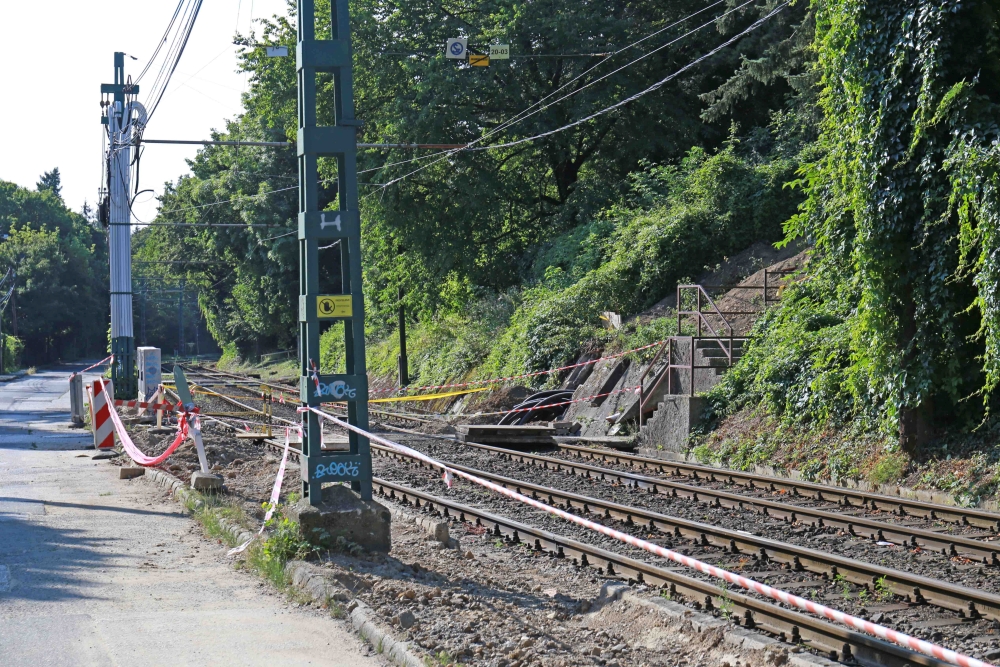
[[310, 579], [319, 585], [182, 494]]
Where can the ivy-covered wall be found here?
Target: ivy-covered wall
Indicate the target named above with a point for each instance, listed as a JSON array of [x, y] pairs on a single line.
[[899, 320]]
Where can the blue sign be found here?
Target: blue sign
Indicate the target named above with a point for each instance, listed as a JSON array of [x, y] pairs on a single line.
[[456, 47]]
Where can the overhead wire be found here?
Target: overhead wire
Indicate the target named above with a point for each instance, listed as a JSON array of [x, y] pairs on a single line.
[[173, 56], [530, 110], [659, 84], [162, 41], [524, 113], [631, 98]]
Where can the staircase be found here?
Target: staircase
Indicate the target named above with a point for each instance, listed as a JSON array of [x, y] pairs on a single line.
[[686, 366]]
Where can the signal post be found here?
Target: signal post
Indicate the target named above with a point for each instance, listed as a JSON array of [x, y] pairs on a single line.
[[334, 509]]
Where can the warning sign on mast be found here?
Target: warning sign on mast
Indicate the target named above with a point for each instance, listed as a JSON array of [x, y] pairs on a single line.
[[331, 306]]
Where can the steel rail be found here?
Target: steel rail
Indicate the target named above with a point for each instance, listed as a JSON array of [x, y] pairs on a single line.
[[281, 387], [842, 495], [967, 602], [951, 545], [779, 621], [835, 642]]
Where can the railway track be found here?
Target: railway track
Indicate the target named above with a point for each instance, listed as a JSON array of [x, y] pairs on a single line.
[[857, 525], [835, 642], [969, 605], [903, 507]]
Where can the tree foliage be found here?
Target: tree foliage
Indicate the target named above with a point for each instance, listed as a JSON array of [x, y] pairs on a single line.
[[61, 265], [454, 231], [902, 207]]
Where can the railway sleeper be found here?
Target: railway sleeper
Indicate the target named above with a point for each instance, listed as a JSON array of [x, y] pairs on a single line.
[[833, 641], [936, 592]]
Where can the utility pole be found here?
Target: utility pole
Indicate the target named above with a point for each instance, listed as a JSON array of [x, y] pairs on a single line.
[[315, 227], [145, 296], [180, 321], [123, 120], [404, 366], [3, 306]]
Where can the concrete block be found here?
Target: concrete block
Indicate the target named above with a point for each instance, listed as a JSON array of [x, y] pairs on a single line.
[[671, 425], [162, 430], [342, 513], [130, 472], [433, 528], [104, 454], [202, 481]]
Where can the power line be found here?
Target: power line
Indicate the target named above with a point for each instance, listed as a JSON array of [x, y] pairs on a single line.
[[162, 41], [659, 84], [517, 118], [527, 112], [617, 105]]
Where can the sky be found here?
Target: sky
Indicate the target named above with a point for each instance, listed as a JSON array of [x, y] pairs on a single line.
[[57, 55]]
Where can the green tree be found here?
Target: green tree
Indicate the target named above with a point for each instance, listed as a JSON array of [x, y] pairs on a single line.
[[51, 181], [902, 207], [61, 265]]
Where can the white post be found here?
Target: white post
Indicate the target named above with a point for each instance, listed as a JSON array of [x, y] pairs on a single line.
[[124, 121], [159, 412], [76, 400], [198, 444]]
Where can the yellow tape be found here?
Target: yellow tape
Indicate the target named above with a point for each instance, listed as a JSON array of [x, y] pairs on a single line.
[[394, 399], [428, 397]]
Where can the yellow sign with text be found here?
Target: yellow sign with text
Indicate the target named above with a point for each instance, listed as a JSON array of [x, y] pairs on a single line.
[[339, 305], [479, 61]]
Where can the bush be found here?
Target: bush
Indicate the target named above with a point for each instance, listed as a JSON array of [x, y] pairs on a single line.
[[798, 364], [11, 349]]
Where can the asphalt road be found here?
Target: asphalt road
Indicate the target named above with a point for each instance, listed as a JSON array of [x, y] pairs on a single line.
[[99, 571]]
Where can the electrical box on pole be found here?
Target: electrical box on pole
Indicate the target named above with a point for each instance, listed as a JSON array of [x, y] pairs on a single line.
[[339, 141], [124, 117]]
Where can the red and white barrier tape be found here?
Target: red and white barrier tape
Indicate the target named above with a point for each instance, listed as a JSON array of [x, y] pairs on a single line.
[[166, 407], [860, 624], [515, 377], [88, 368], [635, 389], [275, 494], [134, 452]]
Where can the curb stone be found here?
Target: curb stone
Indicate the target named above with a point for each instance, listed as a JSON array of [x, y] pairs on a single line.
[[10, 377], [317, 583], [312, 582], [738, 638], [433, 528]]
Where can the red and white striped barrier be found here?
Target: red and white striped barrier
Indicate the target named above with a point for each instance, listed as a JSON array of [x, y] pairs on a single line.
[[134, 452], [90, 368], [100, 414], [853, 622], [142, 405]]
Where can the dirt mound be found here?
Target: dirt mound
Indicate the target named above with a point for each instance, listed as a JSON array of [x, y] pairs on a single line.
[[745, 268]]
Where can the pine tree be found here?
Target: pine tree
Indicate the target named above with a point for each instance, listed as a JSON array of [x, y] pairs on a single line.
[[51, 181]]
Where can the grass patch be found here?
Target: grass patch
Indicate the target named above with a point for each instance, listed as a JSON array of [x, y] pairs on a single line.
[[442, 658], [890, 468]]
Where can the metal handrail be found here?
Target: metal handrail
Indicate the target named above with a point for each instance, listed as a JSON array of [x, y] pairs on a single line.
[[701, 315], [700, 290]]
